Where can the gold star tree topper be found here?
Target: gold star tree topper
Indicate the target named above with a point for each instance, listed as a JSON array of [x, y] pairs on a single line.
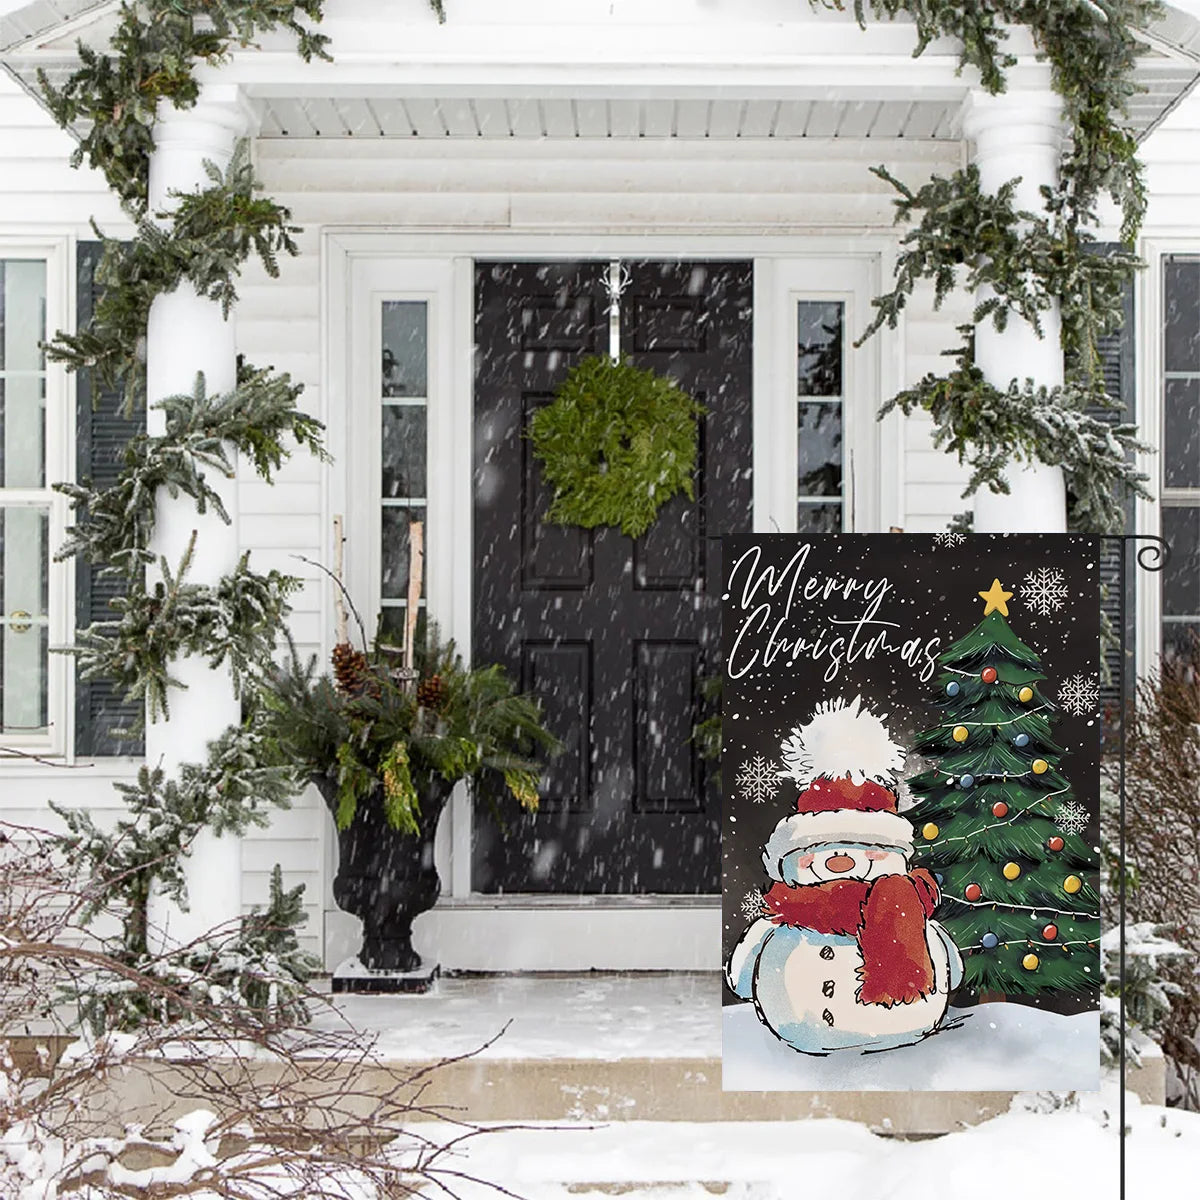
[[997, 599]]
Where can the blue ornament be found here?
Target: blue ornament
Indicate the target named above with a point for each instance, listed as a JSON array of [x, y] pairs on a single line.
[[938, 876], [1022, 740], [952, 688], [967, 781], [989, 941]]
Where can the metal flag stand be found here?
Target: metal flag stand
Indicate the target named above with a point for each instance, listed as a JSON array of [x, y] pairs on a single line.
[[1153, 555]]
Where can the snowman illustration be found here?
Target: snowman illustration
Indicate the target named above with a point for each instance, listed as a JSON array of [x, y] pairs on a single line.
[[845, 955]]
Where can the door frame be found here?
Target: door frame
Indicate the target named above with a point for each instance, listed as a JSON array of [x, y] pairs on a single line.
[[484, 932]]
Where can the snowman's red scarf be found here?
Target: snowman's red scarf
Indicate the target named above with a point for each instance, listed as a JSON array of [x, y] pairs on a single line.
[[886, 916]]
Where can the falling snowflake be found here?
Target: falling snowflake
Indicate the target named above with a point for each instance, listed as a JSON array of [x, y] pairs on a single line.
[[948, 541], [752, 904], [1072, 817], [1044, 590], [1080, 694], [758, 779]]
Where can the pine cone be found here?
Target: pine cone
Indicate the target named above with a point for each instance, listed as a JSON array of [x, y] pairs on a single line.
[[349, 669], [431, 693]]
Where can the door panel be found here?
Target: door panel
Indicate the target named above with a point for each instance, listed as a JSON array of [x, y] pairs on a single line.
[[614, 635]]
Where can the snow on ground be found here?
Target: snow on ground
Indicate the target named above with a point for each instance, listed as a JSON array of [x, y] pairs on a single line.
[[1027, 1154], [993, 1048]]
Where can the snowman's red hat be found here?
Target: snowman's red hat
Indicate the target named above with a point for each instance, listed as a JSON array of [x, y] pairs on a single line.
[[838, 810]]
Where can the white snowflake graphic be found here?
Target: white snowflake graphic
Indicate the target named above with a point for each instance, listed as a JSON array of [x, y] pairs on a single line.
[[1072, 817], [948, 541], [1044, 590], [758, 779], [752, 904], [1080, 694]]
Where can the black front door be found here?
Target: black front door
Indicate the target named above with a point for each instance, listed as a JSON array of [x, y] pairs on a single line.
[[614, 635]]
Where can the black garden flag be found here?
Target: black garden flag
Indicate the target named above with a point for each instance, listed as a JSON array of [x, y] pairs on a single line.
[[911, 743]]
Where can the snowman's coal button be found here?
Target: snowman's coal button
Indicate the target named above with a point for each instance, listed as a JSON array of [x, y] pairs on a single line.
[[827, 988], [827, 1017], [826, 952]]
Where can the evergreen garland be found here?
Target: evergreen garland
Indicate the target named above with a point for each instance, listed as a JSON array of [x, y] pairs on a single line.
[[1029, 260], [202, 242], [988, 428]]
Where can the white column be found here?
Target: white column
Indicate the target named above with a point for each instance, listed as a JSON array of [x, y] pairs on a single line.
[[188, 334], [1019, 133]]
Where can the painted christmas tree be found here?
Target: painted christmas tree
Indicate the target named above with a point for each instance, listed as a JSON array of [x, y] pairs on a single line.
[[998, 825]]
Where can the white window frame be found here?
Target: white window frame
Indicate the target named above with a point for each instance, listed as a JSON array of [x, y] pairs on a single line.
[[363, 268], [870, 480], [1151, 421], [58, 741]]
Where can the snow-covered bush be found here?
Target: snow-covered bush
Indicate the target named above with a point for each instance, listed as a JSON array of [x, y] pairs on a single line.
[[1162, 838], [1147, 993], [205, 1096]]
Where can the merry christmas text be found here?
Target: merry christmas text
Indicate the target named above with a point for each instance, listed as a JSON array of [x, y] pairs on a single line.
[[773, 601]]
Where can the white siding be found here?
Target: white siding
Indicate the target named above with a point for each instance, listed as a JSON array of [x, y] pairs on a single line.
[[1172, 177], [39, 191]]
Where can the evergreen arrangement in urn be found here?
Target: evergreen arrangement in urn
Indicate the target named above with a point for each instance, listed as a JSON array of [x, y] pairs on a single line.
[[365, 732], [385, 746]]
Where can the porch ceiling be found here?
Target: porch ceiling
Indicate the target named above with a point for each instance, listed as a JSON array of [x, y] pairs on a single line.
[[629, 78], [605, 118]]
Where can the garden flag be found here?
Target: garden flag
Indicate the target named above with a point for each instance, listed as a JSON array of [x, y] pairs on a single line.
[[911, 745]]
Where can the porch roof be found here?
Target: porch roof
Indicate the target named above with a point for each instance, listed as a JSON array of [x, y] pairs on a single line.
[[604, 69]]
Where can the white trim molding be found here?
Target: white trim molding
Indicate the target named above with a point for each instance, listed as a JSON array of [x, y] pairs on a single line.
[[363, 268]]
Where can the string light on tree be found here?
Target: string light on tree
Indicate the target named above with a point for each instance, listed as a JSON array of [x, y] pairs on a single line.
[[994, 790]]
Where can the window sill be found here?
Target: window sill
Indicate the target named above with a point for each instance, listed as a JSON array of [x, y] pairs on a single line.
[[18, 766]]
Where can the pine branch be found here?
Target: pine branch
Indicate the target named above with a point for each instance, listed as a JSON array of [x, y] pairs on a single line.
[[114, 525], [153, 55], [231, 624]]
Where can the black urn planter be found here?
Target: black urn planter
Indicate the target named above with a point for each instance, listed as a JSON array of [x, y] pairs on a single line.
[[385, 877]]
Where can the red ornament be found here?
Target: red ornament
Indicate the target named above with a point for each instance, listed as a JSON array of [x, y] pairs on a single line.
[[973, 891], [988, 675], [999, 809], [1050, 932], [1055, 843]]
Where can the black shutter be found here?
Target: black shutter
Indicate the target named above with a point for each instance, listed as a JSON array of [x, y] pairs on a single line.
[[102, 432], [1117, 353]]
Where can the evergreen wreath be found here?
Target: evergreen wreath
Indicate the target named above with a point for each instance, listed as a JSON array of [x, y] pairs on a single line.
[[615, 444]]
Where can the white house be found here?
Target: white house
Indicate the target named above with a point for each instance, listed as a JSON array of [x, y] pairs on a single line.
[[452, 180]]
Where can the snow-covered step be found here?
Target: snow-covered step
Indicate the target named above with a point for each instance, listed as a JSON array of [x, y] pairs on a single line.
[[1075, 1150]]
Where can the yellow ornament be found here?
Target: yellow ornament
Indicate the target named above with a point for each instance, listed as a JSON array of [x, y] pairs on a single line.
[[1030, 962], [997, 599], [929, 832], [1011, 870], [1040, 766], [1072, 884], [960, 733], [1025, 695]]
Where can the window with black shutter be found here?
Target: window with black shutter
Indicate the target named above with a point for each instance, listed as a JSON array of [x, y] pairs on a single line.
[[101, 435], [1180, 453]]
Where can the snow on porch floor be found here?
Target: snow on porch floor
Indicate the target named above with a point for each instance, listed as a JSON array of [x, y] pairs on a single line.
[[602, 1017], [678, 1016]]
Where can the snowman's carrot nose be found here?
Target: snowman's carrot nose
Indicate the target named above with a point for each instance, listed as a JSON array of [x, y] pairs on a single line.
[[839, 863]]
